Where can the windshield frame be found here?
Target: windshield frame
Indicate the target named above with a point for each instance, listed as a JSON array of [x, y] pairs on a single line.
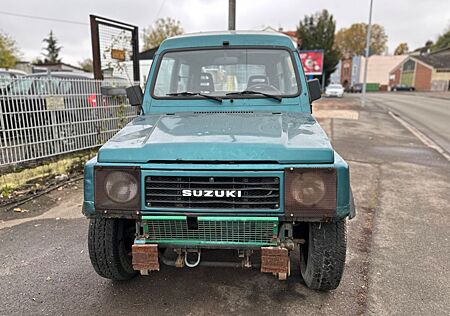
[[225, 97]]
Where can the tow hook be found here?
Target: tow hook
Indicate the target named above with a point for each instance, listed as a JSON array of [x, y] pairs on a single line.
[[196, 263]]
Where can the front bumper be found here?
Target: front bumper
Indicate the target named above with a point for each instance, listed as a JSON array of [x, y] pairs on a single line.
[[274, 260], [209, 231]]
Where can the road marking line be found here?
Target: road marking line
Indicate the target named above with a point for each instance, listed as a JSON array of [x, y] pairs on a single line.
[[421, 136]]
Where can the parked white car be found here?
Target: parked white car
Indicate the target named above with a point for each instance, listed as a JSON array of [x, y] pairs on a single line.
[[334, 90]]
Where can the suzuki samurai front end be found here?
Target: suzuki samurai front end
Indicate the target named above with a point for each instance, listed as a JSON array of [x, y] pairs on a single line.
[[225, 154]]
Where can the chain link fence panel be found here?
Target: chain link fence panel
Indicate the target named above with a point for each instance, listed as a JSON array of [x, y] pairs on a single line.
[[47, 116]]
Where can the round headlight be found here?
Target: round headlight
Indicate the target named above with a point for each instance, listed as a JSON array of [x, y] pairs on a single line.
[[121, 187], [308, 188]]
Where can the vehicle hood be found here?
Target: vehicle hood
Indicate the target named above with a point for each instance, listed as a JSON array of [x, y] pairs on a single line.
[[220, 137]]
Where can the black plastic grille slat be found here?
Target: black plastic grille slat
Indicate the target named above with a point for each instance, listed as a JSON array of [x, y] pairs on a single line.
[[224, 202], [150, 188], [177, 195], [255, 192], [208, 183]]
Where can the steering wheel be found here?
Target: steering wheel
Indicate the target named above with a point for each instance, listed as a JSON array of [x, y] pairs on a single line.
[[261, 87]]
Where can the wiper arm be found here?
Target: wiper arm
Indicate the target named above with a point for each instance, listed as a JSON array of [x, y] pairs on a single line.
[[187, 93], [267, 95]]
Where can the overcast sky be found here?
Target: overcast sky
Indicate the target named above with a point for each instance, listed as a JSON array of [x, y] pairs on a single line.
[[411, 21]]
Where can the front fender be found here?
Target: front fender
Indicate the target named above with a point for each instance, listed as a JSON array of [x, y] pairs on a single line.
[[88, 203], [345, 201]]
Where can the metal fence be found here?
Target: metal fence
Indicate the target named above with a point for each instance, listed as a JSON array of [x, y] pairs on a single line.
[[47, 116]]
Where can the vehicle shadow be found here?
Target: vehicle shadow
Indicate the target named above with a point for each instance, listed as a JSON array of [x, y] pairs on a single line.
[[207, 290]]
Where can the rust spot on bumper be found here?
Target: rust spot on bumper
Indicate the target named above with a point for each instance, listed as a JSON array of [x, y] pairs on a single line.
[[145, 257], [274, 260]]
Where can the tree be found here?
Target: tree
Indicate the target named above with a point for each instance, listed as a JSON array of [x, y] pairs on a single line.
[[162, 29], [52, 49], [86, 64], [426, 48], [352, 41], [401, 49], [317, 32], [8, 52], [443, 41]]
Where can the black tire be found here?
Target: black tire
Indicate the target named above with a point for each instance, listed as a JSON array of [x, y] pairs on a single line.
[[109, 244], [322, 257]]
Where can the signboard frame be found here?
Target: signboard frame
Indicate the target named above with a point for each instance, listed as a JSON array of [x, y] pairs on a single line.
[[95, 22]]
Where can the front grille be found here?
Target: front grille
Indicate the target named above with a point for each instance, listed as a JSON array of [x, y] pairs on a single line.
[[255, 192], [211, 230]]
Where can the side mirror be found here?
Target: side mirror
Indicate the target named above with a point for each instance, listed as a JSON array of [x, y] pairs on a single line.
[[315, 92], [112, 91], [135, 95]]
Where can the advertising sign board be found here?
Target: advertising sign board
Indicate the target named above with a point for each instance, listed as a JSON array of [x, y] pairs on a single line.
[[312, 61]]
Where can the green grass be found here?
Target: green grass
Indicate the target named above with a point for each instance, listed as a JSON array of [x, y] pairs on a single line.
[[33, 178]]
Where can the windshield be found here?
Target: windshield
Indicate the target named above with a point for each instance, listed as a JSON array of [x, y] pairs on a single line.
[[5, 79], [335, 86], [220, 71], [20, 86], [34, 85]]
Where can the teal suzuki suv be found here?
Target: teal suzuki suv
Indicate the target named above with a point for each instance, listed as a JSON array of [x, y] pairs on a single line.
[[225, 154]]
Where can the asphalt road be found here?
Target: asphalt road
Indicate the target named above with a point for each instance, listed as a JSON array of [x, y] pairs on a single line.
[[398, 259], [429, 113]]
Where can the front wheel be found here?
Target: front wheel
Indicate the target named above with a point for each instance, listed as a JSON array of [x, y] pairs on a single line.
[[322, 257], [109, 244]]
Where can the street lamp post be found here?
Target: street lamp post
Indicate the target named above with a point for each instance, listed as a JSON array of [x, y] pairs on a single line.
[[366, 61], [232, 15]]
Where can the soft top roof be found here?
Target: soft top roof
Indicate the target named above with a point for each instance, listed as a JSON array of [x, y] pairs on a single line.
[[234, 38]]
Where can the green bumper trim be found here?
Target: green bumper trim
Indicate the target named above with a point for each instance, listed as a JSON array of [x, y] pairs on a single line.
[[190, 243], [163, 218], [240, 218], [212, 218]]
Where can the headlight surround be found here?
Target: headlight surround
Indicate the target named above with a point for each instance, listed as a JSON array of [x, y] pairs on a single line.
[[117, 188], [310, 192]]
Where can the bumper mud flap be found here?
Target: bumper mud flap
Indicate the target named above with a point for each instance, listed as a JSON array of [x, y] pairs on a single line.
[[145, 258], [275, 260]]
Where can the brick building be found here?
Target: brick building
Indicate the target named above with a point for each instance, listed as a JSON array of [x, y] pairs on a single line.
[[351, 70], [427, 72], [346, 72]]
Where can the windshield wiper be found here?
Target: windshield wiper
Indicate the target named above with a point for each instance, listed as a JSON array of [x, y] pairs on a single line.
[[267, 95], [187, 93]]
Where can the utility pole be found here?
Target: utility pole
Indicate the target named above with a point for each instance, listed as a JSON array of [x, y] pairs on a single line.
[[366, 61], [323, 81], [231, 15]]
